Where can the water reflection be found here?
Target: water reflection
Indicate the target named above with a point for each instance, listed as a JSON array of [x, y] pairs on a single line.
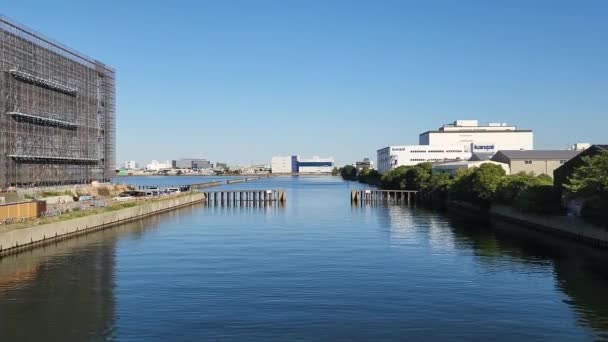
[[66, 289], [314, 269], [580, 270], [42, 295]]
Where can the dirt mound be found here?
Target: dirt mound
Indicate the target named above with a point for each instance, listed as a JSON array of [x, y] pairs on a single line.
[[102, 190]]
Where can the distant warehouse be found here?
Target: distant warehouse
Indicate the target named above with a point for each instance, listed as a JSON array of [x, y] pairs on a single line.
[[57, 112], [294, 164], [536, 161], [316, 165], [195, 164], [284, 164]]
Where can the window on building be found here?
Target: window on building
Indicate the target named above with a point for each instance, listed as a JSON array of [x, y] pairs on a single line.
[[528, 162], [562, 161]]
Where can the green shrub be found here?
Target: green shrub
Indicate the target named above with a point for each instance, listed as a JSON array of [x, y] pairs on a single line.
[[511, 186], [368, 176], [539, 199], [477, 185]]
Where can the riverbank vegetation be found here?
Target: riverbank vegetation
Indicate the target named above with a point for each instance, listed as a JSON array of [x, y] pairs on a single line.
[[489, 185], [589, 183]]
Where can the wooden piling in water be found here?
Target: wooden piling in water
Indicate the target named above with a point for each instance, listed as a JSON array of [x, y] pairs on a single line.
[[376, 195], [232, 197]]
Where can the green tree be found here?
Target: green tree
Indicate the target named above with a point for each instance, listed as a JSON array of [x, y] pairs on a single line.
[[589, 181], [368, 176], [439, 181], [395, 178], [349, 172], [485, 180], [418, 176], [461, 188], [477, 185]]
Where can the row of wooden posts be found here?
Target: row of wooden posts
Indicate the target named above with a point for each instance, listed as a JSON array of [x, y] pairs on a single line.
[[238, 196], [374, 195]]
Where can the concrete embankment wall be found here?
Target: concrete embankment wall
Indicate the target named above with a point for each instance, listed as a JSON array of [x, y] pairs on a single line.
[[247, 179], [229, 181], [207, 184], [21, 239], [570, 227]]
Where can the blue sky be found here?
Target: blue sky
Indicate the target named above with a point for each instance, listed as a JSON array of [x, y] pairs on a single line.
[[240, 81]]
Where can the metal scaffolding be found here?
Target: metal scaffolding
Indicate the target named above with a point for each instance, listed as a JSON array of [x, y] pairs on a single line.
[[57, 112]]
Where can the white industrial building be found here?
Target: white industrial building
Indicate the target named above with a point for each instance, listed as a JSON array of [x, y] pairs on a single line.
[[457, 141], [316, 165], [476, 138], [130, 165], [394, 156], [283, 164], [155, 165], [293, 164]]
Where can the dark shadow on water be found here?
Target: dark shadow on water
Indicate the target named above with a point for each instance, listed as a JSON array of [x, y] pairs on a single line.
[[580, 270]]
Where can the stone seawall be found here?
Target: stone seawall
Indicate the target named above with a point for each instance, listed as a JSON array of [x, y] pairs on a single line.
[[569, 227], [21, 239]]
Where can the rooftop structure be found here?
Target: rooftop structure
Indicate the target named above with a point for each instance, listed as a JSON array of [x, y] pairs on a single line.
[[480, 156], [57, 112], [366, 163]]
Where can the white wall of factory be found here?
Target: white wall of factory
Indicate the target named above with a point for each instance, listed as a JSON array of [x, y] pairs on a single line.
[[316, 165], [130, 164], [403, 155], [476, 138], [281, 164], [465, 135]]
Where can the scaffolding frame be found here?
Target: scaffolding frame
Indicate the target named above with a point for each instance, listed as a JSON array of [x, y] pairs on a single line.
[[57, 112]]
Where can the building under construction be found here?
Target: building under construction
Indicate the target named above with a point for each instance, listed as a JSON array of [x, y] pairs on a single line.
[[57, 112]]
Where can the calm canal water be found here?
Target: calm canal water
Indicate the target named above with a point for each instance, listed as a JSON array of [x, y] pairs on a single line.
[[315, 269]]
